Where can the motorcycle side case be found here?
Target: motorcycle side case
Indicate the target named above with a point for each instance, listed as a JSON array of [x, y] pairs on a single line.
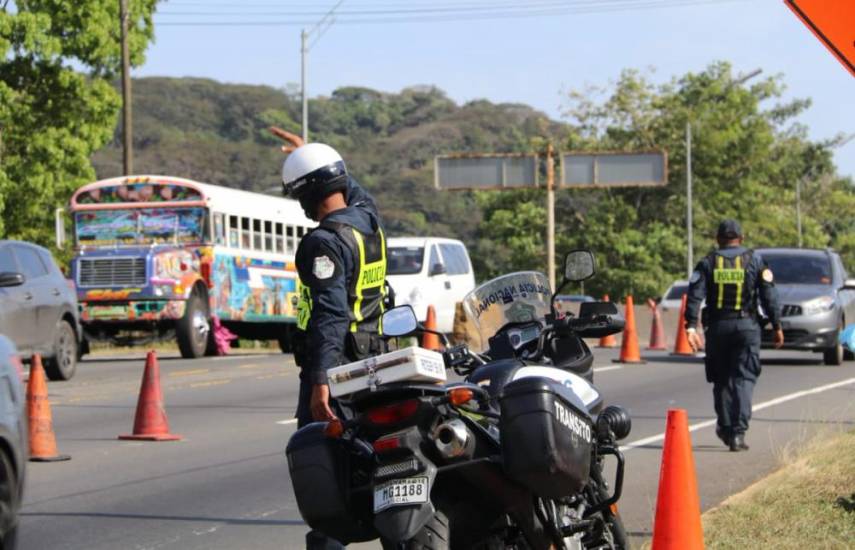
[[547, 437], [320, 470]]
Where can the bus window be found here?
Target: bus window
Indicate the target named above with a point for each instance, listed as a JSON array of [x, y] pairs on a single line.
[[234, 241], [290, 247], [219, 229], [256, 235], [268, 236], [244, 234], [280, 244]]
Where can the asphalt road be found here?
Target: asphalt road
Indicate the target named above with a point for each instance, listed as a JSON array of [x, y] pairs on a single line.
[[225, 485]]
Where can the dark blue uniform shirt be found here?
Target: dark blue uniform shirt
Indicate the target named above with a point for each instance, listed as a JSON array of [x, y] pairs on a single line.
[[761, 286], [326, 265]]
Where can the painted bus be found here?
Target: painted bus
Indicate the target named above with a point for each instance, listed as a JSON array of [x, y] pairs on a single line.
[[160, 257]]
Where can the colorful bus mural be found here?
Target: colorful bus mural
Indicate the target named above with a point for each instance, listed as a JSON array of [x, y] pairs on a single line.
[[159, 257]]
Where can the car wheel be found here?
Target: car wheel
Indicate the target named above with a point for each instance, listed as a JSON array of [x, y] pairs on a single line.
[[63, 364], [194, 328], [834, 356], [8, 504]]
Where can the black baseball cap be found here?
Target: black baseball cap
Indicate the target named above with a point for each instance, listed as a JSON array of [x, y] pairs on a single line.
[[729, 229]]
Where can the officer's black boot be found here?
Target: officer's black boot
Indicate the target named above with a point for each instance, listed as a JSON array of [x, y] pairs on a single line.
[[723, 434], [737, 443]]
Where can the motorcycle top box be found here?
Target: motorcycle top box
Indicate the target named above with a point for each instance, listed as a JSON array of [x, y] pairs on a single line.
[[547, 437], [411, 364]]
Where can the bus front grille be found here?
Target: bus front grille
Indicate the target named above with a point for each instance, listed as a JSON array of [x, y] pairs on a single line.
[[110, 272]]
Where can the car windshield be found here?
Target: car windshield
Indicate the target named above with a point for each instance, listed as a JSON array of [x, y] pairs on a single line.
[[799, 269], [513, 298], [676, 292], [140, 226], [404, 260]]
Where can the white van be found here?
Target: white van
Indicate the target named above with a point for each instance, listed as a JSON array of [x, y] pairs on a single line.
[[429, 271]]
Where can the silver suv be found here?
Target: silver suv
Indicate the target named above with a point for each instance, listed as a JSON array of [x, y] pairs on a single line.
[[38, 307], [817, 300], [13, 442]]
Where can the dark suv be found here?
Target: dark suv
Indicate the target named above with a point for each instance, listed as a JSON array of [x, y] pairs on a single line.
[[817, 300], [38, 307]]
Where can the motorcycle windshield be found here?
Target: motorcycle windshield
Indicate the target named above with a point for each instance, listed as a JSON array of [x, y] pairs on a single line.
[[513, 298]]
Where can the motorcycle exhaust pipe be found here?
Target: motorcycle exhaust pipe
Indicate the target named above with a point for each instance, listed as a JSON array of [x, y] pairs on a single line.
[[453, 439]]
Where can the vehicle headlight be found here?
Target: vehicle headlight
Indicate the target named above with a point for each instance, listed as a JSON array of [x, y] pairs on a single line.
[[818, 305]]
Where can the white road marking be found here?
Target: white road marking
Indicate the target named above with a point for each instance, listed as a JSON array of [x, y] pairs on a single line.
[[287, 422], [755, 408], [604, 369]]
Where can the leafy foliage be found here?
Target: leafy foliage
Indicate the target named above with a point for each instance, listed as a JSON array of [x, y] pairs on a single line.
[[52, 117]]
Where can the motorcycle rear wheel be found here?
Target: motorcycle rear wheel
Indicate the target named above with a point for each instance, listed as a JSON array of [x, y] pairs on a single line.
[[435, 535]]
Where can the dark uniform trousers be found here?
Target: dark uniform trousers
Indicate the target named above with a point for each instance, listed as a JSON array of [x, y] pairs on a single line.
[[733, 365]]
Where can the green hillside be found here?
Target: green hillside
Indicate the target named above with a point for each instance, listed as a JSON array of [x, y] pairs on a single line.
[[746, 161]]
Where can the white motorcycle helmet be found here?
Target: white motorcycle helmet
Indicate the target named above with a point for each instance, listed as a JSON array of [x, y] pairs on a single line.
[[311, 173]]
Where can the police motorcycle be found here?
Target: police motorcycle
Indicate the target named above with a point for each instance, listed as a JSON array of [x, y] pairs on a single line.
[[510, 456]]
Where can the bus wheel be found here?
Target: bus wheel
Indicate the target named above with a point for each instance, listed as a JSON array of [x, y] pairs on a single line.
[[193, 329]]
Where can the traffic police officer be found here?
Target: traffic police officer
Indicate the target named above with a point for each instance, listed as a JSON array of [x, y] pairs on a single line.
[[342, 269], [732, 279]]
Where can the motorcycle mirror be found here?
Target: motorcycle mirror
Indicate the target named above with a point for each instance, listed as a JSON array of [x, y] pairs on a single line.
[[400, 321], [579, 265]]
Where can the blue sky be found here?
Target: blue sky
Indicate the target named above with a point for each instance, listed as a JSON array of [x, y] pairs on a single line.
[[531, 60]]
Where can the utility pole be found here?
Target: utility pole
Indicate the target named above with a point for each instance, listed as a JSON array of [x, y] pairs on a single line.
[[689, 234], [799, 209], [303, 84], [127, 125], [550, 216], [320, 28]]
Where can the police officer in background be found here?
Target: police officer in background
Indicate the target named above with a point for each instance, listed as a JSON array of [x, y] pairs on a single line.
[[342, 270], [732, 279]]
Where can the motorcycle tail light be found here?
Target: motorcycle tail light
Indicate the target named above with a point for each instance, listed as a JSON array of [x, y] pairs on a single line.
[[387, 444], [392, 414]]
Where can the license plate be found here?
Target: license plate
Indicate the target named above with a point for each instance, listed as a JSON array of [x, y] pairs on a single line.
[[399, 492]]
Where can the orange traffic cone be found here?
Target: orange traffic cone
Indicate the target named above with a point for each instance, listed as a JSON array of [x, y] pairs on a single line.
[[150, 423], [431, 341], [678, 509], [608, 341], [42, 438], [629, 342], [681, 346], [657, 331]]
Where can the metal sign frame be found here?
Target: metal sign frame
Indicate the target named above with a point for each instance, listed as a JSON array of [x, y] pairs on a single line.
[[532, 156], [600, 185]]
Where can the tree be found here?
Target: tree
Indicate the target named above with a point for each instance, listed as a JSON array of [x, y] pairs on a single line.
[[53, 117]]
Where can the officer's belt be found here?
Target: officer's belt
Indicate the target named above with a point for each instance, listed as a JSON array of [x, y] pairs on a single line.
[[729, 315]]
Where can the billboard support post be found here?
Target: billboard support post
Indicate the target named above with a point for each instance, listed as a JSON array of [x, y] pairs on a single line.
[[550, 217]]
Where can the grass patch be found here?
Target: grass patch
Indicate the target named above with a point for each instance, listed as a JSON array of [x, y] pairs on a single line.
[[808, 503]]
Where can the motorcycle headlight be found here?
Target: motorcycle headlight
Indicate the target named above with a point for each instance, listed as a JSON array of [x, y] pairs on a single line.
[[818, 305]]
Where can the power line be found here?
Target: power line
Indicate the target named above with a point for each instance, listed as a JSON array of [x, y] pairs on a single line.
[[354, 19], [414, 8]]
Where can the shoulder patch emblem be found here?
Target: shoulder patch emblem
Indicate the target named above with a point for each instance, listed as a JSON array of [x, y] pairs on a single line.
[[767, 275], [323, 268]]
